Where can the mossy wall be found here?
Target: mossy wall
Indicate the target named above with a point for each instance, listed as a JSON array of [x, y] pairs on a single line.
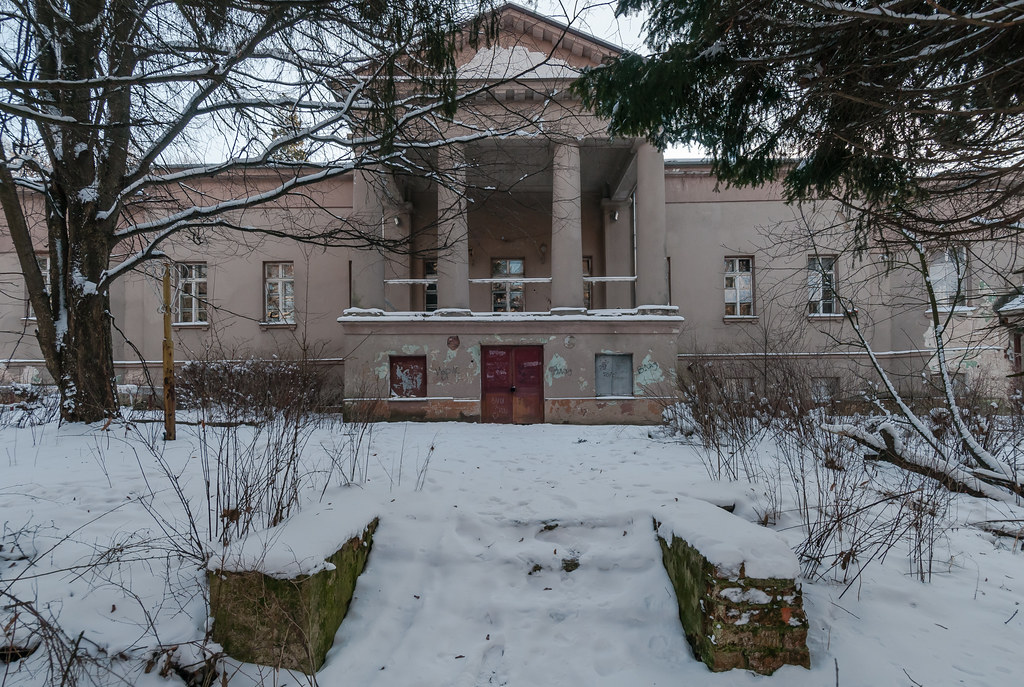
[[738, 622], [286, 623]]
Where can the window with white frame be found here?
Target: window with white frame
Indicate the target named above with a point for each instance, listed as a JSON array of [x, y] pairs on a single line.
[[613, 374], [506, 294], [278, 293], [821, 285], [191, 305], [44, 267], [739, 287], [947, 271]]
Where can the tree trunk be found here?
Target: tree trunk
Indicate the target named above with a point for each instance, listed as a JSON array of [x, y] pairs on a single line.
[[81, 358], [87, 375]]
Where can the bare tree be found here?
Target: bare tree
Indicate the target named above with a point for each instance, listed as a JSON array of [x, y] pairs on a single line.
[[908, 275], [103, 104]]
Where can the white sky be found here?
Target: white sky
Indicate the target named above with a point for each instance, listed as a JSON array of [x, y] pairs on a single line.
[[590, 16]]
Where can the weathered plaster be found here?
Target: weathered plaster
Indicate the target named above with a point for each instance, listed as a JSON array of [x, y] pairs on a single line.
[[648, 373], [556, 369]]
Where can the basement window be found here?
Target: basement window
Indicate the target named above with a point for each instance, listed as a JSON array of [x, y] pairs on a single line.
[[613, 374], [408, 376]]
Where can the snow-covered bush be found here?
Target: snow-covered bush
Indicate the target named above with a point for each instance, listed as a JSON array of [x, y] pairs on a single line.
[[253, 389], [28, 405], [776, 430], [256, 417]]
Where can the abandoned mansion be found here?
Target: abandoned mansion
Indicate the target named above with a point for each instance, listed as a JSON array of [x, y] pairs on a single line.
[[558, 275]]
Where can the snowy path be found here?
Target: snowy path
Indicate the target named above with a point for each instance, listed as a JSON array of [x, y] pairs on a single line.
[[523, 619]]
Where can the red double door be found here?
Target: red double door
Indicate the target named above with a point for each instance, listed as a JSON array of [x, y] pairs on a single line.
[[513, 384]]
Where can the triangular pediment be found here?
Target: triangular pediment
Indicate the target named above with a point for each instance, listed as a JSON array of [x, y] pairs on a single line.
[[532, 46]]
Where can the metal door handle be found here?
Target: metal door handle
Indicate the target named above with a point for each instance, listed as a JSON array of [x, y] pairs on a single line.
[[512, 390]]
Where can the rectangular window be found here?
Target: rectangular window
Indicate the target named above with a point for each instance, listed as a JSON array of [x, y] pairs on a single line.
[[824, 389], [408, 376], [507, 294], [278, 293], [588, 287], [947, 271], [739, 287], [958, 380], [430, 293], [739, 389], [191, 299], [821, 285], [613, 374], [44, 266]]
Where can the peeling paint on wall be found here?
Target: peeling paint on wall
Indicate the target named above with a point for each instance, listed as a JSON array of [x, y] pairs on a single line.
[[648, 373], [556, 369], [382, 370]]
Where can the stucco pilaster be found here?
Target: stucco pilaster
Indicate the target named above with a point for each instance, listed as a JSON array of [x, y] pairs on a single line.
[[397, 226], [617, 222], [367, 278], [651, 261]]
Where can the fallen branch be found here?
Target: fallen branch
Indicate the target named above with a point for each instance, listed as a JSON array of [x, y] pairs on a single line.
[[885, 446], [992, 527]]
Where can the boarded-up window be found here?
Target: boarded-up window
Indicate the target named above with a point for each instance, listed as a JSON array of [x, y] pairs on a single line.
[[408, 376], [613, 374]]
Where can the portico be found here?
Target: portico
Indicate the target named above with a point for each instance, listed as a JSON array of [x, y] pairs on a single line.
[[535, 286], [576, 218], [525, 281]]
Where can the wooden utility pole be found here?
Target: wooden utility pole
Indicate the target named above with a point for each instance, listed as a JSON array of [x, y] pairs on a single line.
[[169, 401]]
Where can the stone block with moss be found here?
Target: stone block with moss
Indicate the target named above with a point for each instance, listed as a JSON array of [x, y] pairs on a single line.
[[287, 622], [735, 583]]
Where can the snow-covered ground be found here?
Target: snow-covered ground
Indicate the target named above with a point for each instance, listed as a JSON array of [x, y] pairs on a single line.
[[452, 593]]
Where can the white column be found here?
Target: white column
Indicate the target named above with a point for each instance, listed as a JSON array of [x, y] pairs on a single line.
[[566, 229], [651, 261], [452, 231], [367, 276]]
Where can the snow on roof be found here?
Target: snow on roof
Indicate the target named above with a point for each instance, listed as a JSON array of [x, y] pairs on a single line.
[[1016, 305]]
